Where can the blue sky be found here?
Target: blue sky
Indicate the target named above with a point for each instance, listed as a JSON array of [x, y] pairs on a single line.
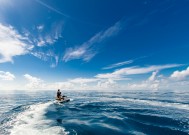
[[94, 45]]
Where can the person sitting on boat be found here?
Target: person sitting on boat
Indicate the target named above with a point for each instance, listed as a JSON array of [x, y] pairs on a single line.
[[59, 94]]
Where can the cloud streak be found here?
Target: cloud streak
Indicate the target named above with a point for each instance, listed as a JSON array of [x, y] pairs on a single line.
[[121, 73], [86, 50], [51, 8], [122, 63], [119, 64]]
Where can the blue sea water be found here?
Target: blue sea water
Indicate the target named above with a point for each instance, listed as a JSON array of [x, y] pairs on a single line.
[[95, 113]]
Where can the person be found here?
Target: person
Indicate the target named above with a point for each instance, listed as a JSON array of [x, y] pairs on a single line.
[[59, 94]]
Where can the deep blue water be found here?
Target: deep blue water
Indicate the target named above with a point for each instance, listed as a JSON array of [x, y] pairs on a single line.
[[95, 113]]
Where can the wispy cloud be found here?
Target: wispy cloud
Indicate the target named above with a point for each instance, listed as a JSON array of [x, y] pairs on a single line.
[[10, 38], [40, 27], [49, 37], [82, 52], [56, 60], [45, 44], [6, 76], [86, 51], [40, 55], [121, 73], [49, 56], [119, 64], [122, 63]]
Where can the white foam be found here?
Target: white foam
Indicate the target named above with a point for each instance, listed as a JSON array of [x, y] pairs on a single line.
[[33, 122], [162, 104], [150, 102]]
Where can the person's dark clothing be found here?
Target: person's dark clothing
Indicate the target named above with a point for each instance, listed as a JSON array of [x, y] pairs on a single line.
[[58, 94]]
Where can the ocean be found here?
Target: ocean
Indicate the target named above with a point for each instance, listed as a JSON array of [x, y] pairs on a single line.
[[94, 113]]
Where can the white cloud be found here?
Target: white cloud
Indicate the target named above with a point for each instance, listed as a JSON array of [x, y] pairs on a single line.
[[26, 33], [76, 53], [6, 76], [122, 63], [119, 64], [107, 84], [180, 75], [56, 58], [34, 82], [60, 85], [108, 75], [12, 44], [40, 55], [50, 37], [86, 51], [44, 40], [40, 42], [152, 83], [40, 28], [144, 70], [121, 73], [177, 82], [153, 76], [83, 80], [49, 56]]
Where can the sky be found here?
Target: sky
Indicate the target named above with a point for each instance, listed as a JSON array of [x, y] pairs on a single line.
[[94, 45]]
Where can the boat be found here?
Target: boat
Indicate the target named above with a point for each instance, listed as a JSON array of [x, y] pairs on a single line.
[[66, 99]]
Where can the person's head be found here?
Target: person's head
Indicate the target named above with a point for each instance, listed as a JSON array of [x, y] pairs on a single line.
[[58, 89]]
